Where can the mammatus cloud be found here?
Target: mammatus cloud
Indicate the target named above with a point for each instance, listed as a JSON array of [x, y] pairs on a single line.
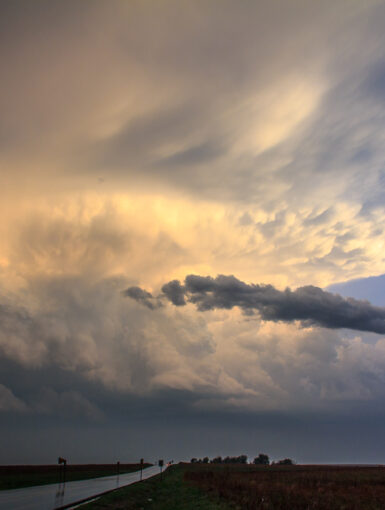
[[308, 304]]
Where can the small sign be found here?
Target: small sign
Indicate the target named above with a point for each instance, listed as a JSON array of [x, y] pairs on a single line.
[[161, 463]]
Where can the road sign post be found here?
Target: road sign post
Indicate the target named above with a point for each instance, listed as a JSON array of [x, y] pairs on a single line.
[[62, 469], [160, 464], [141, 469]]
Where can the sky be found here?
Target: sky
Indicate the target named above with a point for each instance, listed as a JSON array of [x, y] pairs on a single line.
[[192, 237]]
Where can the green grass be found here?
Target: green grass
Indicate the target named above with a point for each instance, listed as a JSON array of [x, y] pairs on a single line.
[[16, 477], [169, 493]]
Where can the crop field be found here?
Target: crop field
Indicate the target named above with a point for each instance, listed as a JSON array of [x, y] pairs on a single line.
[[292, 487], [13, 477]]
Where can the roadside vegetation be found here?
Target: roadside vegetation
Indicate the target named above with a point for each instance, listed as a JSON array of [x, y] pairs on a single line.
[[239, 486], [169, 492], [16, 477]]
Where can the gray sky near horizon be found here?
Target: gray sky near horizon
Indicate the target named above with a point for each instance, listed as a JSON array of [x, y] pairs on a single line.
[[145, 141]]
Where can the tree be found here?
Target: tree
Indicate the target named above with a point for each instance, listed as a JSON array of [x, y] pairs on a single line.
[[206, 460], [262, 459], [285, 462], [193, 460]]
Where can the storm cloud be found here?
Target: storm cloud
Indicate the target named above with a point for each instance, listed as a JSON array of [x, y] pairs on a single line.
[[309, 305], [142, 296], [145, 141]]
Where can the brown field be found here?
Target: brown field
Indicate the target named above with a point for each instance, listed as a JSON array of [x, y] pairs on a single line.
[[292, 487], [12, 477]]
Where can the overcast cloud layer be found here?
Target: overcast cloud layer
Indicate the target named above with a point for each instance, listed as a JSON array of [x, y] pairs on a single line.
[[143, 141]]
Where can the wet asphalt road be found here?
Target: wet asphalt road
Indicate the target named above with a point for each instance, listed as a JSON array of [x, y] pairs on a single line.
[[49, 497]]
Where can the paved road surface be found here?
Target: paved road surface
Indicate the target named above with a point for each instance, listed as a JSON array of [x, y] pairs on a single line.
[[49, 497]]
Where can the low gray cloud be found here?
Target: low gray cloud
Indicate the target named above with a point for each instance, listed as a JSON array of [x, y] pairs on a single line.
[[9, 402], [67, 403], [175, 292], [143, 297], [310, 305]]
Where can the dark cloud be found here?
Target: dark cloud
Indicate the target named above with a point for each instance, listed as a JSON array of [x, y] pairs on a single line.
[[143, 297], [174, 291], [309, 304]]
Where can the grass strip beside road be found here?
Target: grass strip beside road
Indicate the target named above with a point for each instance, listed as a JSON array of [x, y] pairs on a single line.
[[168, 493]]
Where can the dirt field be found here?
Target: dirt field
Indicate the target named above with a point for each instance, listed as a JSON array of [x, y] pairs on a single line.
[[292, 487]]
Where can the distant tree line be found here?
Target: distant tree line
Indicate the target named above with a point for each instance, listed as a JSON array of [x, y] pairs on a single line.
[[261, 460], [283, 462]]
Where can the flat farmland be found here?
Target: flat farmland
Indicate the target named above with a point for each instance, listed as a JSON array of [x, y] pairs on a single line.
[[292, 487], [14, 477]]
